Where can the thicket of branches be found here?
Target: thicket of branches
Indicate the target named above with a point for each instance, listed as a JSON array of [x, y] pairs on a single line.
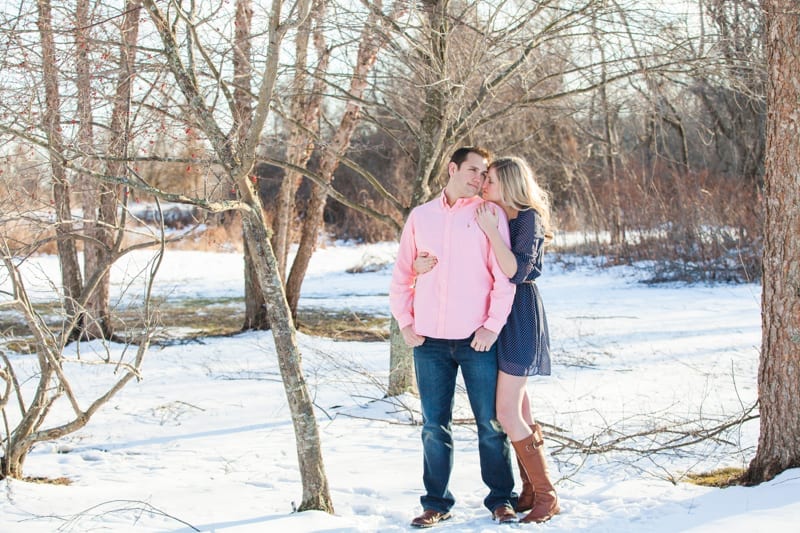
[[662, 159], [647, 125], [652, 147]]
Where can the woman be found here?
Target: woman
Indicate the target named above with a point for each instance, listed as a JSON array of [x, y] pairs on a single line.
[[523, 347]]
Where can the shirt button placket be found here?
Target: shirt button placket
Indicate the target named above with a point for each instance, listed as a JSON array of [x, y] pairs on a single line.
[[444, 278]]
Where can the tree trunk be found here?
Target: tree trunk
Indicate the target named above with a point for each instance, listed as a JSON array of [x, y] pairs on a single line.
[[432, 144], [67, 251], [369, 46], [238, 160], [99, 323], [308, 243], [779, 368], [19, 443], [255, 307], [284, 212], [316, 494], [89, 187], [610, 147], [401, 363], [242, 71], [304, 109]]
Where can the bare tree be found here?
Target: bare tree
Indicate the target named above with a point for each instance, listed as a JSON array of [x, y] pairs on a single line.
[[731, 87], [779, 368], [230, 132], [303, 118], [609, 141], [371, 41], [457, 70], [106, 237], [27, 427], [306, 95], [27, 226], [237, 157], [71, 278], [67, 134], [255, 308]]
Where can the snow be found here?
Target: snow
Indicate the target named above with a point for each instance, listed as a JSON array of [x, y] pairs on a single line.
[[204, 441]]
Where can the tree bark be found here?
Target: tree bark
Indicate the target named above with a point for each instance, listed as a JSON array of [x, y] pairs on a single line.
[[238, 160], [433, 141], [255, 309], [309, 451], [99, 323], [89, 187], [242, 70], [370, 44], [67, 251], [779, 367], [304, 113], [401, 363]]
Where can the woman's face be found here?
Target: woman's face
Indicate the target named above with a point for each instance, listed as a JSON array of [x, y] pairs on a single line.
[[491, 187]]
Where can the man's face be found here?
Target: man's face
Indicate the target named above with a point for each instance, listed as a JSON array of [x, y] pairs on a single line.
[[467, 180]]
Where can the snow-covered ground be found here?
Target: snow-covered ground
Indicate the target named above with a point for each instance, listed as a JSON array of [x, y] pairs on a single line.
[[204, 442]]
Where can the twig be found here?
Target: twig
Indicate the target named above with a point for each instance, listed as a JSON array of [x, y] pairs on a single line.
[[127, 505]]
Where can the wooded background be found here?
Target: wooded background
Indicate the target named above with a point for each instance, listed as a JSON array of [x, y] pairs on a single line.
[[288, 122], [645, 120]]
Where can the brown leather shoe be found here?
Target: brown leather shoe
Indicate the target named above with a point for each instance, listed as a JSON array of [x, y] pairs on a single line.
[[430, 518], [504, 514]]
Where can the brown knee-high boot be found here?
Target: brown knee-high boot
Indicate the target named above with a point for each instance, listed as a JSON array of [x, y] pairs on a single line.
[[525, 501], [530, 453]]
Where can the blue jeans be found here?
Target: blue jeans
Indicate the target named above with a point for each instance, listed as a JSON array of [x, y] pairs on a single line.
[[436, 364]]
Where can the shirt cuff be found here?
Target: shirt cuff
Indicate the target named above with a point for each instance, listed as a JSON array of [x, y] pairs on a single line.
[[493, 325], [405, 321]]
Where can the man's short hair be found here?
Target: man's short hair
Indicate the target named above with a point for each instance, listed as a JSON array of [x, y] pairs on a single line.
[[460, 155]]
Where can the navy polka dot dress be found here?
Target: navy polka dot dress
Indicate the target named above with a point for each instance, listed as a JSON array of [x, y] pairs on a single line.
[[523, 346]]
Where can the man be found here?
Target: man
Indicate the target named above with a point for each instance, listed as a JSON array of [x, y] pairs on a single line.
[[452, 316]]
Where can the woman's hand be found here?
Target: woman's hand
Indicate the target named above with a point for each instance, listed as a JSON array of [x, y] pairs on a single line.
[[424, 263], [487, 217]]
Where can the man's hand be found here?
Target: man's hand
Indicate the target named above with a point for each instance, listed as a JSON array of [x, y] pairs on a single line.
[[410, 336], [483, 339]]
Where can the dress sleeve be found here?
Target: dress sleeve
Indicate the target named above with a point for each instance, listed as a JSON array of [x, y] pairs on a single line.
[[501, 296], [527, 240]]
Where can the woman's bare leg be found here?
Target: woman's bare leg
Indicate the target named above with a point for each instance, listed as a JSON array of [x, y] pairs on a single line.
[[511, 396], [526, 408]]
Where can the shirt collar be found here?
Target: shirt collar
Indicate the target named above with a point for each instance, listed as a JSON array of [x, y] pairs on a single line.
[[461, 202]]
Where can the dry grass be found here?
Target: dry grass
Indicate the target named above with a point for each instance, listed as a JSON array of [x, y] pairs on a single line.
[[343, 325], [724, 477], [182, 320], [48, 480]]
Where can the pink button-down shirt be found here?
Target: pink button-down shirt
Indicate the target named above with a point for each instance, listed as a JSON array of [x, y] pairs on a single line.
[[466, 289]]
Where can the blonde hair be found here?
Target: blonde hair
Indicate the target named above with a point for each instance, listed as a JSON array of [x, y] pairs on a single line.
[[519, 189]]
